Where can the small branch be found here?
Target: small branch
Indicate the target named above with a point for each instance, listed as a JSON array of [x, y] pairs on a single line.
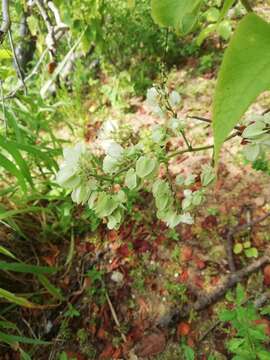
[[229, 250], [6, 20], [206, 300], [251, 223], [209, 121], [247, 5], [3, 104], [59, 23], [181, 152], [115, 317], [202, 148], [61, 66], [34, 72], [17, 65]]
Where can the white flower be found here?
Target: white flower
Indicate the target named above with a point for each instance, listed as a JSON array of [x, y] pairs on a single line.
[[187, 193], [157, 111], [152, 97], [186, 218], [108, 128], [174, 98], [176, 124], [66, 176], [109, 164], [114, 150], [117, 277]]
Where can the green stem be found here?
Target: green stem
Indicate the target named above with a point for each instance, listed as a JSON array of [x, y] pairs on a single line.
[[180, 152], [247, 5], [191, 149], [186, 140]]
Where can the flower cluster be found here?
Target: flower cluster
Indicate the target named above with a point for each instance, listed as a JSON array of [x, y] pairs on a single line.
[[257, 135], [108, 181]]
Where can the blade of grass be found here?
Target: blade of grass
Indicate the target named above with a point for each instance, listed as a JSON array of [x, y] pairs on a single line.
[[12, 339], [13, 170], [6, 252], [18, 300], [54, 291], [25, 268]]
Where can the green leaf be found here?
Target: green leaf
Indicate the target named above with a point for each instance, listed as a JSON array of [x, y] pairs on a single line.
[[5, 54], [251, 252], [240, 294], [6, 252], [251, 151], [106, 205], [188, 352], [224, 29], [205, 33], [254, 130], [10, 213], [226, 315], [145, 166], [18, 300], [24, 355], [238, 248], [172, 13], [244, 74], [131, 4], [13, 170], [20, 162], [54, 291], [12, 339], [234, 344], [263, 355], [212, 15], [208, 175], [226, 7], [25, 268], [131, 179]]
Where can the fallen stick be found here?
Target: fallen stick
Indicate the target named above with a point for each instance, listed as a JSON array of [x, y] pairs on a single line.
[[206, 300]]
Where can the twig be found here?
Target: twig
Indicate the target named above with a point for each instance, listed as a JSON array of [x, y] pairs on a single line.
[[3, 104], [209, 121], [252, 223], [206, 300], [34, 72], [60, 67], [18, 68], [202, 148], [6, 20], [180, 152], [59, 23], [115, 317], [229, 250]]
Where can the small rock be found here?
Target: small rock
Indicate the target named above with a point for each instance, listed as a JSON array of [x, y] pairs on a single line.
[[117, 277]]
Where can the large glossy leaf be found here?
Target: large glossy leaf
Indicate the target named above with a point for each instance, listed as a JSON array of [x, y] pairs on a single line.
[[174, 13], [244, 74]]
